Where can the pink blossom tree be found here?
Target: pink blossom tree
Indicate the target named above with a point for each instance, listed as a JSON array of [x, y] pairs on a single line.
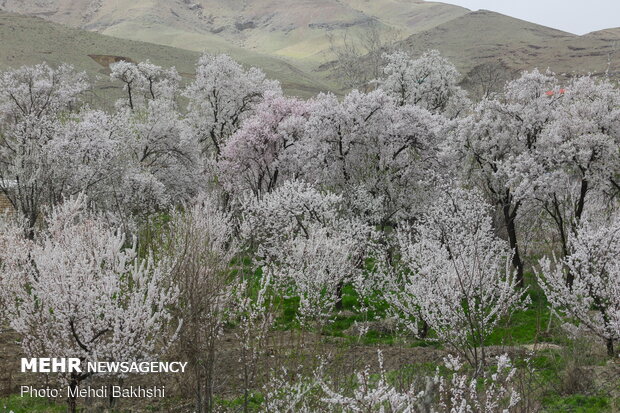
[[223, 95], [260, 155]]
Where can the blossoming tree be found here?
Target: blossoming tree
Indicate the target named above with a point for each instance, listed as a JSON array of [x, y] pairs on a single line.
[[81, 291], [455, 275], [307, 243], [592, 301], [222, 96], [430, 82], [495, 144], [31, 100]]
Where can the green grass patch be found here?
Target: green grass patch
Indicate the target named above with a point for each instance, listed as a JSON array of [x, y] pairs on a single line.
[[255, 400], [548, 365], [18, 404], [576, 404], [523, 327], [529, 325]]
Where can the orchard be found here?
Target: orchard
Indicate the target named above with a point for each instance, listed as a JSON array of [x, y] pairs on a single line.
[[404, 249]]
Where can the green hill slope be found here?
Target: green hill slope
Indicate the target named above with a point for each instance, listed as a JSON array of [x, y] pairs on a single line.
[[288, 39], [295, 29], [30, 40]]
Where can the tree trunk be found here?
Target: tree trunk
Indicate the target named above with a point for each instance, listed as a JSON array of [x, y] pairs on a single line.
[[511, 228], [197, 401], [199, 379], [339, 288], [209, 379], [424, 331], [610, 347], [71, 401], [111, 399]]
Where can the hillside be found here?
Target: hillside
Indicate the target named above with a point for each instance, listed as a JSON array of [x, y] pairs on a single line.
[[485, 36], [289, 39], [608, 34], [407, 15], [30, 40], [296, 29]]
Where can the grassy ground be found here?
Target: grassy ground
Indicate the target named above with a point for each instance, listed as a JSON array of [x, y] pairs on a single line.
[[17, 404], [577, 403]]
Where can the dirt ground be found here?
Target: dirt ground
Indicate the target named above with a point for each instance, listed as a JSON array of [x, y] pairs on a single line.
[[283, 350], [286, 349]]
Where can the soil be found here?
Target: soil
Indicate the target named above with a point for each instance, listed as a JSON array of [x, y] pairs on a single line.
[[284, 350]]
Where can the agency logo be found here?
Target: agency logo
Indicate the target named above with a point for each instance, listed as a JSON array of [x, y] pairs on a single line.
[[75, 365]]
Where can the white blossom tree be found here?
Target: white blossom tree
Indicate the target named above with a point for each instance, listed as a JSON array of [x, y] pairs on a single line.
[[132, 161], [221, 97], [40, 90], [491, 393], [79, 290], [144, 81], [32, 99], [371, 395], [160, 162], [284, 214], [592, 300], [456, 391], [307, 244], [455, 275], [159, 158], [496, 143], [374, 152], [430, 82], [255, 314], [315, 266], [575, 166]]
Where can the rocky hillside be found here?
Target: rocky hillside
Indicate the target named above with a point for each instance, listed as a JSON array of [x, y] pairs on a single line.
[[484, 36]]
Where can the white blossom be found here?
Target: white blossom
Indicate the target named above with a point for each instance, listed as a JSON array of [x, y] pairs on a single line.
[[455, 274], [592, 301], [222, 96], [430, 82], [80, 290]]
